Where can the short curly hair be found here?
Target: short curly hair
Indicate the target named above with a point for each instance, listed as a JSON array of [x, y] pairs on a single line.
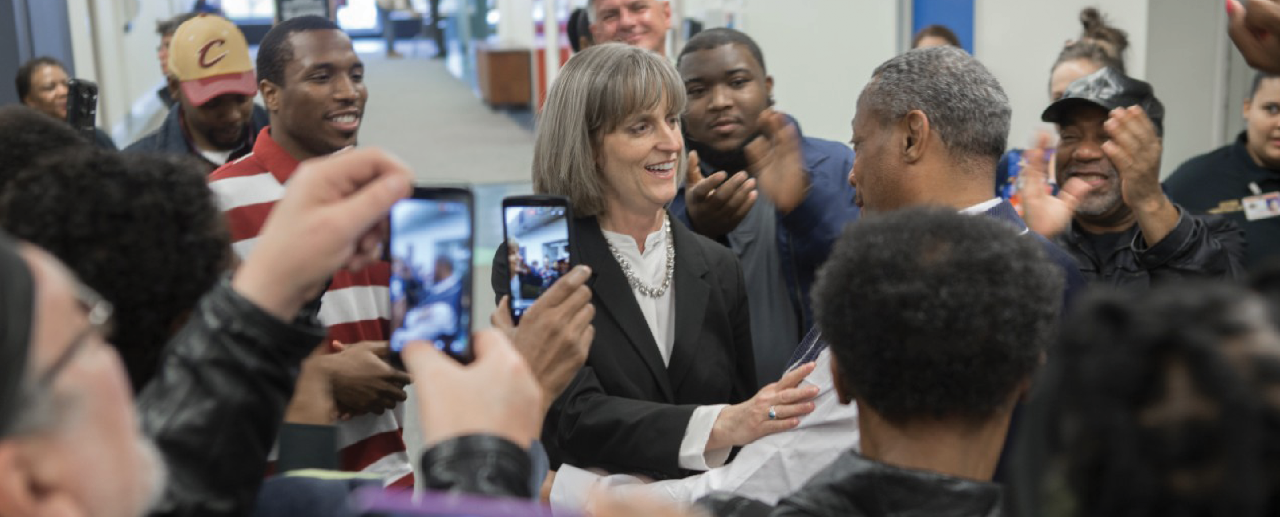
[[1125, 430], [934, 314], [26, 135], [144, 231], [275, 52]]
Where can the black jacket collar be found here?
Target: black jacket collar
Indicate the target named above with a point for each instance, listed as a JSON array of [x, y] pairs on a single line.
[[854, 485], [691, 291]]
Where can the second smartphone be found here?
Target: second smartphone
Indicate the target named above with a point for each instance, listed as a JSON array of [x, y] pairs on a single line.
[[430, 252], [539, 240]]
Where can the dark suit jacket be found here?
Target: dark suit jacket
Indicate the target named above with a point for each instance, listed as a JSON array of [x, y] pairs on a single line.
[[625, 411]]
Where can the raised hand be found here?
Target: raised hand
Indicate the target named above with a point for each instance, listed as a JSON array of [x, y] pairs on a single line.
[[495, 394], [717, 203], [555, 334], [332, 215], [776, 161], [1046, 214], [1254, 27], [1134, 150]]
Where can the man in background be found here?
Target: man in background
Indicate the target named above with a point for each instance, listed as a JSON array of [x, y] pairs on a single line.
[[211, 72]]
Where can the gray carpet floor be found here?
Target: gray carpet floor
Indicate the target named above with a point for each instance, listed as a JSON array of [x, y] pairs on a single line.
[[438, 125]]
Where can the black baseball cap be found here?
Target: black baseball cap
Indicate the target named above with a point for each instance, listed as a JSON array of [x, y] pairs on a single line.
[[1109, 89]]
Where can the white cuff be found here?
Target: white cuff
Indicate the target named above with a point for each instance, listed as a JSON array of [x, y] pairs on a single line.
[[570, 489], [693, 447]]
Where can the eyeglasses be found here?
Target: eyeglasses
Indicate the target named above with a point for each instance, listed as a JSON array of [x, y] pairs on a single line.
[[98, 311]]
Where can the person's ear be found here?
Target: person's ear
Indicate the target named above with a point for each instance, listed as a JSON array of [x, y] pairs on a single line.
[[270, 95], [1022, 392], [843, 393], [768, 89], [916, 133], [1244, 112]]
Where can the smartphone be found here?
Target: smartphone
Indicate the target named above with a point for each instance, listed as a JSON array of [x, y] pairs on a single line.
[[539, 246], [82, 104], [430, 248]]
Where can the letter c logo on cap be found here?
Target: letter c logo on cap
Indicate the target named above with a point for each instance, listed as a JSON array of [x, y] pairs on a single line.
[[204, 53]]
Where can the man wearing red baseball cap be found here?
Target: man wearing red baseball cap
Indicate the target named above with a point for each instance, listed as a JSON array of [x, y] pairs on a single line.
[[216, 119]]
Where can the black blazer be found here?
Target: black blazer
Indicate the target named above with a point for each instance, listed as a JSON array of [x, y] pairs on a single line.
[[625, 411]]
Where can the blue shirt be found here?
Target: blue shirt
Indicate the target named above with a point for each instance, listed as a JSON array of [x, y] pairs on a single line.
[[803, 241]]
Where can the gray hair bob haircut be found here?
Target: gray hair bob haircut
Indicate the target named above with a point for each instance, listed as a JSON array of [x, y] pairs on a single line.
[[962, 100], [595, 93]]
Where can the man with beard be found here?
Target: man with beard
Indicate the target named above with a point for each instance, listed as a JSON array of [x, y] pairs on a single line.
[[312, 83], [783, 236], [216, 119], [1112, 215]]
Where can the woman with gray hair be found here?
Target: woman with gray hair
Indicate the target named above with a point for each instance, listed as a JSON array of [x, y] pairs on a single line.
[[667, 387]]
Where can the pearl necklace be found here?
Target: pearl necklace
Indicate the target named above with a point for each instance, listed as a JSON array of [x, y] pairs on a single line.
[[636, 283]]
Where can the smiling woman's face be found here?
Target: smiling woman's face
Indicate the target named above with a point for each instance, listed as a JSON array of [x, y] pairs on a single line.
[[640, 160]]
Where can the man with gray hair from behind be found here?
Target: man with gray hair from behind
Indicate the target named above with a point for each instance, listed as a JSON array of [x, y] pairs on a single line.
[[930, 126]]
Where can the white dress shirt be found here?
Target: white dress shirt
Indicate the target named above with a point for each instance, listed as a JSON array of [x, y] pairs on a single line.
[[659, 313], [766, 469]]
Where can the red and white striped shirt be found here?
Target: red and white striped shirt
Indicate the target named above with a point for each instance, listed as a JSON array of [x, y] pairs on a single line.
[[356, 307]]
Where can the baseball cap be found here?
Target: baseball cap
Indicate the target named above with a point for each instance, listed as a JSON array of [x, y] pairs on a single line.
[[1109, 89], [210, 57]]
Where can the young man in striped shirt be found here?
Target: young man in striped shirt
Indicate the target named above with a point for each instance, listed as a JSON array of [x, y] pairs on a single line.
[[312, 84]]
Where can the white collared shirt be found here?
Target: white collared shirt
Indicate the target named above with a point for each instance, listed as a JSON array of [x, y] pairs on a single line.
[[766, 470], [983, 207], [659, 313]]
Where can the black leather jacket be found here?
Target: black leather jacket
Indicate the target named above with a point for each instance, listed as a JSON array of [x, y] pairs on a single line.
[[856, 486], [217, 402], [216, 406], [1198, 247]]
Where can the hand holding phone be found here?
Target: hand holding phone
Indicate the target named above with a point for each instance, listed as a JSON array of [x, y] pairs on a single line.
[[82, 104], [556, 333], [430, 249], [539, 246]]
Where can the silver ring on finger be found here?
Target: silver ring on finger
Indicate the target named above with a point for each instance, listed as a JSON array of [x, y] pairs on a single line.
[[773, 415]]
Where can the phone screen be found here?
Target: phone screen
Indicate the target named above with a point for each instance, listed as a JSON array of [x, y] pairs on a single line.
[[82, 104], [537, 251], [431, 274]]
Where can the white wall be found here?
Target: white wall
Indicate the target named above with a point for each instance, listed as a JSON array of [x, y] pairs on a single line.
[[1187, 63], [122, 63], [1018, 41], [820, 54]]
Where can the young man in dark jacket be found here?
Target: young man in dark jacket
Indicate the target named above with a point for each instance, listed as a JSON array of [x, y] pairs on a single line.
[[211, 73], [777, 198], [1112, 214]]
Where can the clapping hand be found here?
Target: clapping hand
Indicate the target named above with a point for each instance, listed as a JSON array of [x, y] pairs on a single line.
[[1044, 213], [776, 161], [717, 203]]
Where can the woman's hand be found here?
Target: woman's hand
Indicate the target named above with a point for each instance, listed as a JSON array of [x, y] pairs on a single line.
[[777, 407]]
